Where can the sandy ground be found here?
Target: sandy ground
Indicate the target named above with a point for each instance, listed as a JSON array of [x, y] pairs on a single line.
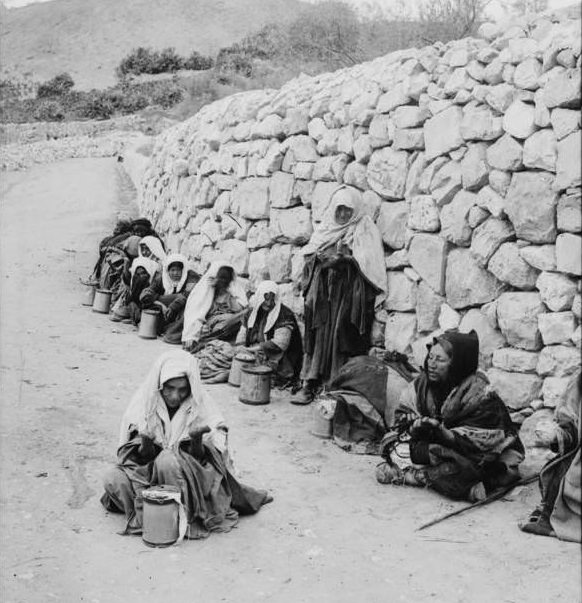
[[332, 533]]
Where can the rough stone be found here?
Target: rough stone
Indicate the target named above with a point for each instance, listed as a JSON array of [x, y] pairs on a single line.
[[527, 74], [442, 132], [577, 306], [517, 316], [454, 218], [395, 97], [280, 263], [488, 237], [330, 168], [392, 223], [321, 197], [508, 266], [540, 151], [570, 213], [467, 284], [409, 116], [531, 206], [490, 339], [493, 73], [417, 167], [252, 198], [409, 139], [259, 235], [569, 161], [236, 253], [401, 295], [556, 290], [381, 131], [558, 361], [515, 361], [489, 200], [542, 257], [506, 154], [569, 253], [499, 97], [554, 390], [281, 189], [423, 214], [397, 260], [477, 215], [355, 174], [474, 167], [564, 121], [371, 203], [387, 171], [291, 225], [518, 120], [499, 181], [258, 267], [427, 254], [556, 327], [563, 90], [517, 390], [400, 331], [428, 304], [448, 318], [446, 183]]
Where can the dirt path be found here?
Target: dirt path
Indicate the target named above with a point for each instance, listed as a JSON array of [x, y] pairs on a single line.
[[332, 535]]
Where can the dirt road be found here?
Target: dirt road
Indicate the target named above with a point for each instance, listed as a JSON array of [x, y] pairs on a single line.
[[331, 535]]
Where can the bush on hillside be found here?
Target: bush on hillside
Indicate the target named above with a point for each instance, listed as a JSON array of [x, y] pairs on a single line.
[[59, 86], [49, 110], [198, 62], [148, 61], [96, 105]]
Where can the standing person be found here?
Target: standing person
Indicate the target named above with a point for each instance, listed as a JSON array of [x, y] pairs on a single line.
[[344, 279], [169, 291], [173, 434], [270, 331], [559, 513], [462, 441]]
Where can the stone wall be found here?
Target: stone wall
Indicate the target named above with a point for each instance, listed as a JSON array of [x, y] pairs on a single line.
[[466, 154]]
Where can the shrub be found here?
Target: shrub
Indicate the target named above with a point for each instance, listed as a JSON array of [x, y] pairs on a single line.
[[97, 105], [167, 61], [60, 85], [49, 110], [168, 96], [198, 62]]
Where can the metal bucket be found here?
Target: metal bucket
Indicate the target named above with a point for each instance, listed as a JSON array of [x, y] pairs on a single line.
[[161, 518], [102, 301], [322, 417], [238, 362], [255, 385], [148, 324], [88, 295]]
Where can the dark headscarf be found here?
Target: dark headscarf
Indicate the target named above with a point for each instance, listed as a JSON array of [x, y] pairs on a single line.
[[141, 222]]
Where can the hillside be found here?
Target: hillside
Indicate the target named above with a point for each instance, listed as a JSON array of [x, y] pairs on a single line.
[[88, 38]]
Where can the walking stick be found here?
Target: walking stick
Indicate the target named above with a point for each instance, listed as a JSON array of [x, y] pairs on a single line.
[[495, 495]]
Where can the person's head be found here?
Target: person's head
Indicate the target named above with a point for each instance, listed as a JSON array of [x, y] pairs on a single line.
[[343, 214], [268, 301], [438, 364], [141, 272], [175, 391], [175, 270], [145, 250], [452, 357], [223, 278], [122, 227], [141, 227]]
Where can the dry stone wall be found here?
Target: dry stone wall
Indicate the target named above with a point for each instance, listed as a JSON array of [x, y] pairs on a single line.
[[467, 155]]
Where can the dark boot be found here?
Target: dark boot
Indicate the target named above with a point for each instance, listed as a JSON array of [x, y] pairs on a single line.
[[305, 395]]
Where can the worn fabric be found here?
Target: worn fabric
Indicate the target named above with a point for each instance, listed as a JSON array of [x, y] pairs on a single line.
[[202, 299], [155, 247], [215, 361], [258, 298], [171, 286]]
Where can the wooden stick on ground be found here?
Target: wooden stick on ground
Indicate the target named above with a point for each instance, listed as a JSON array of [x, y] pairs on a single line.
[[496, 495]]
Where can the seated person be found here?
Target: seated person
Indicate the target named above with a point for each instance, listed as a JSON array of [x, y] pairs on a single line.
[[152, 248], [172, 433], [462, 441], [560, 509], [271, 332], [127, 308], [169, 291]]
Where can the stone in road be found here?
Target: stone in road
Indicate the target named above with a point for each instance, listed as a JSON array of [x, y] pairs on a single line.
[[332, 533]]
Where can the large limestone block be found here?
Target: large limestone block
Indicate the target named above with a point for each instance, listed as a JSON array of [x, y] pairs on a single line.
[[391, 223], [442, 132], [427, 254], [467, 284], [477, 215], [259, 235], [330, 168], [363, 148], [480, 123], [270, 127], [401, 295], [252, 198], [423, 214], [508, 266], [531, 206], [556, 327], [499, 181], [400, 332], [355, 174], [303, 191], [505, 154], [395, 97], [488, 237], [387, 171], [563, 90], [474, 167], [517, 316], [258, 267], [490, 339], [517, 390], [291, 225], [302, 147], [321, 197], [429, 172], [515, 361], [428, 305], [236, 253], [409, 139], [446, 182], [542, 257], [493, 73], [527, 74], [417, 166], [556, 290], [454, 218], [519, 121], [409, 116], [569, 161], [570, 212], [500, 97], [564, 121], [296, 121], [554, 390], [280, 263], [381, 131], [558, 361], [540, 151], [569, 253], [281, 189], [491, 201]]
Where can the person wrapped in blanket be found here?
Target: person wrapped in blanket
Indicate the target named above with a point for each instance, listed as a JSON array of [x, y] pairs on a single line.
[[172, 433], [270, 332], [462, 441], [559, 513], [127, 307], [344, 280], [212, 318], [168, 292]]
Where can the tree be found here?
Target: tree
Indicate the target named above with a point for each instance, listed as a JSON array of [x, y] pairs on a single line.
[[523, 7], [446, 20]]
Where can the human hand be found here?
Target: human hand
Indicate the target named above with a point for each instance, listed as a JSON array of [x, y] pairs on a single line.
[[196, 446], [424, 428]]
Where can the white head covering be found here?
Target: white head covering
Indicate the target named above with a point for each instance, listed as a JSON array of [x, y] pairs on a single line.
[[201, 298], [359, 233], [169, 284], [147, 411], [256, 301], [155, 246], [150, 266]]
